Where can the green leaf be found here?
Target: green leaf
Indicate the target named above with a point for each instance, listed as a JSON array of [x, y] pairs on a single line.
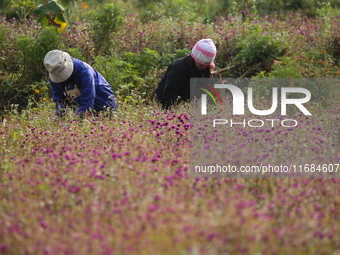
[[42, 186], [51, 13], [8, 167]]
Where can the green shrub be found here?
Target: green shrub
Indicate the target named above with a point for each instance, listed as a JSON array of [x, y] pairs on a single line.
[[103, 24], [255, 49], [146, 64], [132, 74], [334, 47], [33, 51], [13, 94], [76, 53], [177, 9], [24, 65], [44, 90], [286, 68], [143, 62], [23, 9], [314, 65], [166, 59], [9, 58], [121, 75]]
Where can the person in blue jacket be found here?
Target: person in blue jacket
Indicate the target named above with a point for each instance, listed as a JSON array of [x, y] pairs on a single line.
[[77, 84]]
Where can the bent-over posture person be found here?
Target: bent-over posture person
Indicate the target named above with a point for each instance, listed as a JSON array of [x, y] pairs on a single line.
[[174, 86], [77, 84]]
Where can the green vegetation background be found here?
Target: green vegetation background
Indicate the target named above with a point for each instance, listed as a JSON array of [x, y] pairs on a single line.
[[132, 42]]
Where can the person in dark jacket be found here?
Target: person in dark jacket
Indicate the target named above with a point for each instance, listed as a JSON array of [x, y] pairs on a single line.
[[77, 84], [174, 86]]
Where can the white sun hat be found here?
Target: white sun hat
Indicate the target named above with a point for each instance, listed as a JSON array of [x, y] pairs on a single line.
[[59, 64]]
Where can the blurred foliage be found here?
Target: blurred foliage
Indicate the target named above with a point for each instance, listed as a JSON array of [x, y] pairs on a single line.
[[143, 62], [258, 50], [23, 7], [166, 59], [12, 93], [103, 24], [51, 13], [206, 9], [31, 53], [334, 47], [312, 65], [132, 72], [132, 42], [120, 74], [41, 91]]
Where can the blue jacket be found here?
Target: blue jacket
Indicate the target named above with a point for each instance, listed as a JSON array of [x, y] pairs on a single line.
[[93, 92]]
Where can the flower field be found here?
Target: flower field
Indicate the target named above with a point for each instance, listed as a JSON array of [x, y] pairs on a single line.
[[122, 184]]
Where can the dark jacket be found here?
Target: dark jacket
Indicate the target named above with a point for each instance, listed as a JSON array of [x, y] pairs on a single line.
[[86, 88], [176, 81]]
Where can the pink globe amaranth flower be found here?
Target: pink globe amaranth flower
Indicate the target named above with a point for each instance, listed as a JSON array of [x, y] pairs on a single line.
[[3, 248], [43, 224]]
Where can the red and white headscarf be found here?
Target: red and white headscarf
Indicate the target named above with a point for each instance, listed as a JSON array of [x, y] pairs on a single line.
[[204, 52]]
